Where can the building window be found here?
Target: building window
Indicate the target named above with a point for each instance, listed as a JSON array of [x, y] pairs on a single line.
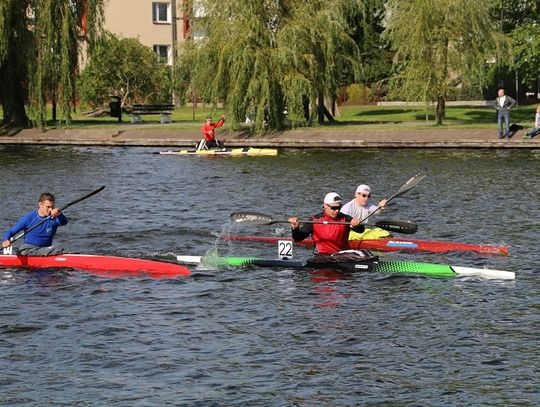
[[163, 53], [161, 12]]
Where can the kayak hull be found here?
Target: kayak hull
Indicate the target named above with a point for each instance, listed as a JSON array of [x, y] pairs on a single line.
[[102, 265], [392, 244], [412, 245], [400, 267], [234, 152]]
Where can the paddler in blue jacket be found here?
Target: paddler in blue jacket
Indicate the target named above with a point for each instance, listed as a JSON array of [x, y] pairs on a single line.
[[328, 238], [38, 241]]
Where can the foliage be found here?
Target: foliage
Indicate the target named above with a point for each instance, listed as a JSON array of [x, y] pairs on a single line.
[[124, 68], [359, 94], [507, 15], [15, 52], [526, 51], [39, 50], [367, 28], [265, 56], [440, 44]]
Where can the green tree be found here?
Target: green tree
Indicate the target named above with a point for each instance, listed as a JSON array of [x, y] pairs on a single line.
[[265, 56], [367, 23], [14, 55], [125, 68], [519, 20], [510, 14], [526, 51], [439, 44], [39, 51]]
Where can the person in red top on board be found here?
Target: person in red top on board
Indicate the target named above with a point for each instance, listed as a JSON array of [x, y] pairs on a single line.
[[209, 136], [328, 238]]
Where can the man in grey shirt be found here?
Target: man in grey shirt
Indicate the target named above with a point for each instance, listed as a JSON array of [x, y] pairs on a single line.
[[359, 207], [503, 104]]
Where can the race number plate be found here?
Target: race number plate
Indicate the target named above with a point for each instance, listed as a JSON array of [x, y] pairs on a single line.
[[285, 249]]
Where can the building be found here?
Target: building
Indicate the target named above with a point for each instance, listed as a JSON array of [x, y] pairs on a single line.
[[160, 25]]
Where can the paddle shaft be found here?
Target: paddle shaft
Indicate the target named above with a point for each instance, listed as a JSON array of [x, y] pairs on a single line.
[[390, 225], [24, 232], [256, 218], [318, 222], [410, 184]]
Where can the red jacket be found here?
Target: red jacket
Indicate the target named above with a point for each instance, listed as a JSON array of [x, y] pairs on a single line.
[[208, 129], [328, 239]]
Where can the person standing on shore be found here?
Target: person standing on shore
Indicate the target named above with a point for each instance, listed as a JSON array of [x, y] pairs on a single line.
[[41, 225], [209, 134], [503, 104], [536, 130]]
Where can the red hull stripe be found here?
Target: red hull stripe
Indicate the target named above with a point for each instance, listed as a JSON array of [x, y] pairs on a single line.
[[103, 265], [392, 244]]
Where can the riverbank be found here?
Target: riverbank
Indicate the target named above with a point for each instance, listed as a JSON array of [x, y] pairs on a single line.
[[323, 137]]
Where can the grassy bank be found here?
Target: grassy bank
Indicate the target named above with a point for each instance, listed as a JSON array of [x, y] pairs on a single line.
[[349, 117]]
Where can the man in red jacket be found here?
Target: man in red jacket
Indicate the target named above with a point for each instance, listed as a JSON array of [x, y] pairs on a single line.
[[209, 136], [329, 238]]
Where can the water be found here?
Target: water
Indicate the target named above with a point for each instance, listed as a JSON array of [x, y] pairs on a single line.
[[264, 336]]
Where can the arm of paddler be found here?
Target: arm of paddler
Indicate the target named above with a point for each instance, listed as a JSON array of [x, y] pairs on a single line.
[[300, 231]]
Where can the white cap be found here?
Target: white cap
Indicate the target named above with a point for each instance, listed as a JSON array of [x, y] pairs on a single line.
[[331, 198], [362, 188]]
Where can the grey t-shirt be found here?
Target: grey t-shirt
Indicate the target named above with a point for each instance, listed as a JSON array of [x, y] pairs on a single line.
[[359, 212]]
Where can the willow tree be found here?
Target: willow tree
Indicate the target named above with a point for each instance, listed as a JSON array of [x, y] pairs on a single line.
[[317, 52], [266, 56], [40, 45], [440, 44]]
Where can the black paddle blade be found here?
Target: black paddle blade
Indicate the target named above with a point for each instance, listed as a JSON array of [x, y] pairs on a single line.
[[251, 218], [398, 226], [410, 184]]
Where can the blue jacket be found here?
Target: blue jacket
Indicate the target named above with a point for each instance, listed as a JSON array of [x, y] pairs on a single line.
[[42, 236]]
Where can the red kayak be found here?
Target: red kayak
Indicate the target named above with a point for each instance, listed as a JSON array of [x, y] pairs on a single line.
[[393, 244], [108, 266]]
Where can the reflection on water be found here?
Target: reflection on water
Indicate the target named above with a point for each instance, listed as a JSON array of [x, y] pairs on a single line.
[[269, 336]]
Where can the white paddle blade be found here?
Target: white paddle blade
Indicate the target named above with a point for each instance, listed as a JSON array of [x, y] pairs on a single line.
[[251, 218], [188, 259]]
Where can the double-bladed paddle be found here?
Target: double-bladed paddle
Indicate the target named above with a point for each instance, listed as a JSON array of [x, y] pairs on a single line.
[[256, 218], [400, 226], [410, 184], [21, 234]]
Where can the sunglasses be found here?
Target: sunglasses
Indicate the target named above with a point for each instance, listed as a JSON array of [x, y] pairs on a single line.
[[334, 208], [365, 195]]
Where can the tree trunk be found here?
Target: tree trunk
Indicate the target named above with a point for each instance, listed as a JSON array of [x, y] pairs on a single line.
[[322, 111], [320, 107], [441, 108], [305, 104], [12, 95], [53, 107]]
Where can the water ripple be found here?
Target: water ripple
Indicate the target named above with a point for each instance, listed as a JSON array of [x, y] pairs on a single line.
[[262, 337]]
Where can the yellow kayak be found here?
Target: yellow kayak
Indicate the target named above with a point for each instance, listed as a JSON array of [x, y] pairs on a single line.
[[369, 234], [236, 152]]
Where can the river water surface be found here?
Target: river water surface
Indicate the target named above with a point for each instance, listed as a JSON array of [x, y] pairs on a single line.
[[270, 337]]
